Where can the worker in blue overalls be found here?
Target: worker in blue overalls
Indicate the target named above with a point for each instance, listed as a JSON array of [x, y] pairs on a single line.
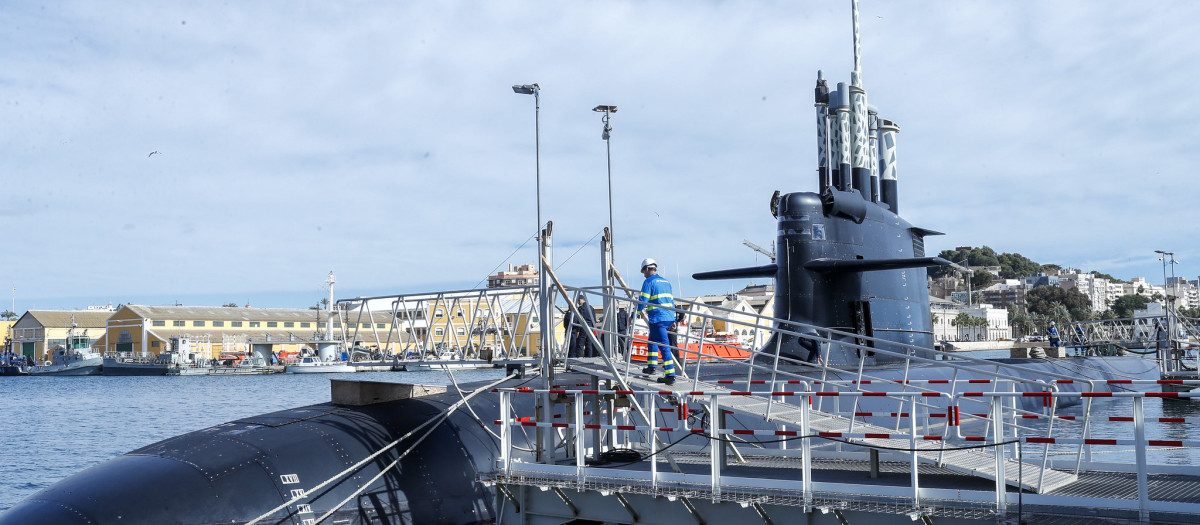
[[1055, 341], [656, 299]]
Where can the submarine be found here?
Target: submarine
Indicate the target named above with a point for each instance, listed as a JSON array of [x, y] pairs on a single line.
[[846, 261]]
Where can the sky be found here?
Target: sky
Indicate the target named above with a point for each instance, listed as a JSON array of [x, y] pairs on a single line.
[[382, 140]]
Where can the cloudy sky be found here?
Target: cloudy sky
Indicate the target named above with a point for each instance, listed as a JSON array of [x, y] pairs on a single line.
[[382, 140]]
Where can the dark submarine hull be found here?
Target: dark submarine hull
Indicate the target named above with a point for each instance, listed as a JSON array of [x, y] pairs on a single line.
[[237, 471]]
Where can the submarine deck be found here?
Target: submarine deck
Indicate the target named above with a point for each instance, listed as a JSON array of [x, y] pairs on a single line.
[[770, 481]]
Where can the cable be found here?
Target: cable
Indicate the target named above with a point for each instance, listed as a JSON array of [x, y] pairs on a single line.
[[505, 260], [443, 416], [478, 419], [582, 246]]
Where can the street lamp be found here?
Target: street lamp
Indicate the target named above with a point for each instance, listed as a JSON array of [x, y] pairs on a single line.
[[1166, 257], [606, 135], [543, 305]]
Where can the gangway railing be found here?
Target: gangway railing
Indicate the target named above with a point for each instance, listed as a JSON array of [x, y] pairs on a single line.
[[767, 362], [714, 481], [479, 324]]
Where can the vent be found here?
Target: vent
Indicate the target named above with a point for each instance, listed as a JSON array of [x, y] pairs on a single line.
[[918, 246]]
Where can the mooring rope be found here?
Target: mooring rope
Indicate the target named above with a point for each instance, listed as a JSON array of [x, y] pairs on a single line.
[[442, 417]]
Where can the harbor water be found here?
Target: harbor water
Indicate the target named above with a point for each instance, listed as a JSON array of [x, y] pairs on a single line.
[[53, 427]]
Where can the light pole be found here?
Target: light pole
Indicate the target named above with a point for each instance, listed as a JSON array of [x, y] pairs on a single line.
[[607, 136], [543, 306], [610, 260]]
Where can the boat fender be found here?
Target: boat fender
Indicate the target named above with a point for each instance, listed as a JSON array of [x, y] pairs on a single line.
[[48, 363]]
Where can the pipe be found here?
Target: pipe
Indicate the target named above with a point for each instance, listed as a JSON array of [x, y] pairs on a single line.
[[887, 163], [859, 148], [821, 102], [844, 156]]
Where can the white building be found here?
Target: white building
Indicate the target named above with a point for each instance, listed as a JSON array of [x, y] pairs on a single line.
[[944, 329]]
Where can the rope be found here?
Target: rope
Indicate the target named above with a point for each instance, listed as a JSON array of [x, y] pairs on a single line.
[[480, 420], [445, 414]]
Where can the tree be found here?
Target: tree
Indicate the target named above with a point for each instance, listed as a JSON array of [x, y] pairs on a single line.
[[8, 315], [982, 279], [1105, 276], [1016, 266], [1042, 300], [1124, 306], [230, 305], [962, 319]]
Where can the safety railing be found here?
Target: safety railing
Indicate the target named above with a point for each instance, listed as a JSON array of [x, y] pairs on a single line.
[[481, 324], [1002, 438], [767, 362]]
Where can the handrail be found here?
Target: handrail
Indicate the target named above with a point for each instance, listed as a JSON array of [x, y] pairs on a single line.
[[998, 440]]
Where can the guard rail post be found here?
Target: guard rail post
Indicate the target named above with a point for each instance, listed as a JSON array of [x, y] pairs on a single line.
[[717, 446], [998, 450], [1139, 432]]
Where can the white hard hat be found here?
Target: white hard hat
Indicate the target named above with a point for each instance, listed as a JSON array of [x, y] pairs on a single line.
[[1051, 323], [648, 262]]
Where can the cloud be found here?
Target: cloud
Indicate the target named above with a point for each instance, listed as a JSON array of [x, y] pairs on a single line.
[[383, 140]]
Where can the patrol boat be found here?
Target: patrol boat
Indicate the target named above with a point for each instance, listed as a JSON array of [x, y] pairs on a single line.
[[845, 414]]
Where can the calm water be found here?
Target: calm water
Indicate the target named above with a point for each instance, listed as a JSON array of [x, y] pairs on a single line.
[[56, 426], [53, 427]]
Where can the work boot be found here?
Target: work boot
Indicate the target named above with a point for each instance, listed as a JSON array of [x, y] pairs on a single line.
[[668, 380], [648, 370]]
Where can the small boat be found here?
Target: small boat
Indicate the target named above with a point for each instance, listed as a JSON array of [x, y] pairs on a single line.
[[245, 366], [14, 364], [76, 358], [313, 365]]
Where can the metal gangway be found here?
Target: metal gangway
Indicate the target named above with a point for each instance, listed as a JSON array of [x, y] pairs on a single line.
[[1172, 340], [987, 440], [479, 327]]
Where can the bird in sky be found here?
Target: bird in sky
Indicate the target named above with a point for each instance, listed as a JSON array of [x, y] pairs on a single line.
[[153, 153]]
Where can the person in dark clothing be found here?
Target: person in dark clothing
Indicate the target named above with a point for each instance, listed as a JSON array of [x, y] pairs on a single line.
[[673, 337], [579, 345], [622, 329]]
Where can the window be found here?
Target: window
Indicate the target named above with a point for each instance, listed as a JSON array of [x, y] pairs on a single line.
[[153, 344], [178, 323], [366, 325], [254, 324], [460, 331], [320, 325], [288, 324], [305, 325], [337, 324], [197, 323], [439, 313], [380, 326], [272, 324], [235, 324], [220, 324], [439, 331], [159, 323]]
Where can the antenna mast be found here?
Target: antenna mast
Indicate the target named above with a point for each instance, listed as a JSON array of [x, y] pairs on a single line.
[[329, 307], [856, 75]]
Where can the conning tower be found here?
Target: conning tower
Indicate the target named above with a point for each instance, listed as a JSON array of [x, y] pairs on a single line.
[[845, 258]]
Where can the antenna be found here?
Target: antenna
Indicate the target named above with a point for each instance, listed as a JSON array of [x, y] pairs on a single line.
[[856, 75], [769, 253], [329, 322]]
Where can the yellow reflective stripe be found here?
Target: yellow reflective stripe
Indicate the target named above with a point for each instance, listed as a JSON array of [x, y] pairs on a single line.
[[659, 296], [646, 295]]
